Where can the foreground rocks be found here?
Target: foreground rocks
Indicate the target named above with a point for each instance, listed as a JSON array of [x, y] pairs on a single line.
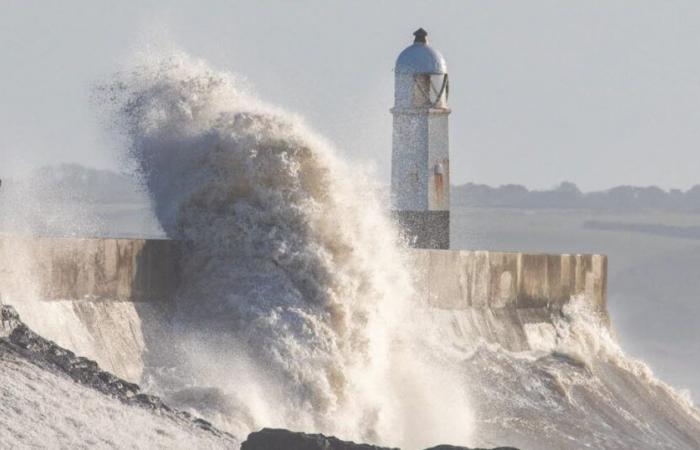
[[275, 439], [17, 337], [453, 447]]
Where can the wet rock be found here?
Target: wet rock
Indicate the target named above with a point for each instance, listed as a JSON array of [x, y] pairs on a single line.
[[150, 402], [15, 335], [276, 439], [452, 447], [80, 369], [9, 320]]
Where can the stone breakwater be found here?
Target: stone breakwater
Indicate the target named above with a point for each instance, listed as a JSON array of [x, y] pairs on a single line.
[[111, 299], [497, 296], [115, 270], [102, 298]]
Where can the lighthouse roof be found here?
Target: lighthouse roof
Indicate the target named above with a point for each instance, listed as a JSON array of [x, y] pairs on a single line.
[[420, 57]]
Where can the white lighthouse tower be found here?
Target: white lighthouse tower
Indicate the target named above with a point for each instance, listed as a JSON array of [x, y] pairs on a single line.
[[420, 170]]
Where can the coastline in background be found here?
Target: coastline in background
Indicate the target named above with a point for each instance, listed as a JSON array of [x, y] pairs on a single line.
[[650, 236]]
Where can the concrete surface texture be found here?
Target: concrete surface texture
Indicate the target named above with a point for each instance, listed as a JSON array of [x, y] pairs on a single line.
[[88, 269], [496, 295], [108, 298], [93, 296]]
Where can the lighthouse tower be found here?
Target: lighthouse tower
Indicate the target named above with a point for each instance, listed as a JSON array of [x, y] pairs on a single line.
[[420, 170]]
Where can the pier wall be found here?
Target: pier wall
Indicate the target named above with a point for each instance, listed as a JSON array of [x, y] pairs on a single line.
[[102, 298], [499, 296], [108, 298], [134, 270]]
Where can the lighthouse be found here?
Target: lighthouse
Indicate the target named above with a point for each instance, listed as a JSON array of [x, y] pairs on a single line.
[[420, 164]]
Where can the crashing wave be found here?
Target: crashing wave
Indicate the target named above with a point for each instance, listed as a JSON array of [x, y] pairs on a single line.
[[297, 308], [294, 287]]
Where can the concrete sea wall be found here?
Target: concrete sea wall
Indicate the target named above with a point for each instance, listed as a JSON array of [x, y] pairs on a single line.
[[108, 298], [89, 269], [102, 298], [497, 295]]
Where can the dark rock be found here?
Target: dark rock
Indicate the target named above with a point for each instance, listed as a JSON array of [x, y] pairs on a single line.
[[15, 335], [150, 402], [275, 439], [9, 320], [201, 423], [452, 447], [82, 370]]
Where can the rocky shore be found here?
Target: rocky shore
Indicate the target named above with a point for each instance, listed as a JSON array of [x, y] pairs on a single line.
[[15, 336], [18, 339], [276, 439]]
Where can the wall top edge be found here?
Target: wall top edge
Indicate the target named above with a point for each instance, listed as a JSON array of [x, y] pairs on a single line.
[[81, 238], [508, 253], [461, 251]]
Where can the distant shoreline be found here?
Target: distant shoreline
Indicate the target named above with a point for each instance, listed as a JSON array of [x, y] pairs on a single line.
[[75, 182], [568, 196]]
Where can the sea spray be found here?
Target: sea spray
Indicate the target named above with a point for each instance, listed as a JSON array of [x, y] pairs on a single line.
[[39, 205], [296, 308], [296, 302], [573, 388], [42, 203]]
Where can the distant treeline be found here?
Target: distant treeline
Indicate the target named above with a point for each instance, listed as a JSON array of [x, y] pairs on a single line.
[[568, 196], [688, 232], [84, 184]]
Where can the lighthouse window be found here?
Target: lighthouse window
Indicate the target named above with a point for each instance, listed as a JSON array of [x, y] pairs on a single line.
[[421, 90], [438, 89], [430, 90]]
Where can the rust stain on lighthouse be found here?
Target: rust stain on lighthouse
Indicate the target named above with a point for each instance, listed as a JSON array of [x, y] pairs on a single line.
[[440, 181]]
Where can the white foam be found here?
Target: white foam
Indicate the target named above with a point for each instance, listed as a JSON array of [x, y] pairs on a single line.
[[296, 291], [298, 310]]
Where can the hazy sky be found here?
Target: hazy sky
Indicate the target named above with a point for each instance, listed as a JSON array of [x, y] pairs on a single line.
[[597, 92]]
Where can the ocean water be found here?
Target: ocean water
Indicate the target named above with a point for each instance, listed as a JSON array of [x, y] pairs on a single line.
[[298, 310], [652, 279]]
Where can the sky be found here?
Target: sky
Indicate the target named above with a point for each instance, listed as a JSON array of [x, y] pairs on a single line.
[[601, 93]]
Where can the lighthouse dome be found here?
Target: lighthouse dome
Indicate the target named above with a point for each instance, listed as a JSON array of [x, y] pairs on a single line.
[[420, 57]]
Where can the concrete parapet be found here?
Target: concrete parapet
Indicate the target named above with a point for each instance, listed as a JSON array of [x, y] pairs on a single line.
[[480, 279], [93, 269], [494, 295], [108, 298], [138, 270], [101, 298]]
